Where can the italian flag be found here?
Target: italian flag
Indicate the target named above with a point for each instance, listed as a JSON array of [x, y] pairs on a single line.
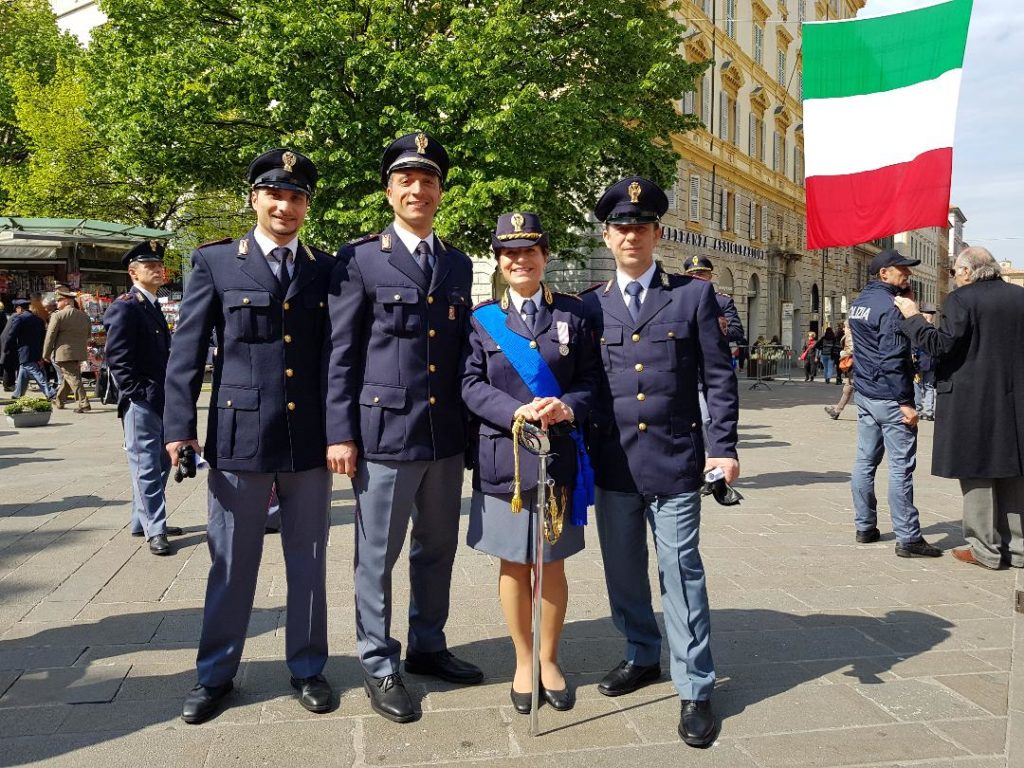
[[880, 98]]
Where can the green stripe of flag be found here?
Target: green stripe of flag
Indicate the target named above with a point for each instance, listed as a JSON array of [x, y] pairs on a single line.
[[882, 53]]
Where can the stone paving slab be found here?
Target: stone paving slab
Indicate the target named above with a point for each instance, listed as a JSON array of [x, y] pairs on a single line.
[[829, 653]]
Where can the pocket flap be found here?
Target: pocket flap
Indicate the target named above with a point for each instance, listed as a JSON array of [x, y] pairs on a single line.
[[383, 396], [397, 295], [239, 398], [612, 334], [456, 297], [236, 299], [668, 331]]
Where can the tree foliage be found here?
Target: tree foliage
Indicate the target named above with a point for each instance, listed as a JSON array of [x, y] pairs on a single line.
[[540, 103]]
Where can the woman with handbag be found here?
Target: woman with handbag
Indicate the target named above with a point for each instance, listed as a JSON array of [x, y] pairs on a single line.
[[810, 356], [845, 366]]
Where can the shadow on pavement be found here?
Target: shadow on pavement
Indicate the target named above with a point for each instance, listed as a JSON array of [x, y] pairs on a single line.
[[88, 501], [788, 478]]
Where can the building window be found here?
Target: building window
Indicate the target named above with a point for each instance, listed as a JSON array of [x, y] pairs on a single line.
[[705, 101], [759, 45], [765, 214], [694, 198], [775, 150], [752, 220], [782, 68], [670, 193], [798, 165], [730, 18], [756, 139], [689, 100], [726, 109]]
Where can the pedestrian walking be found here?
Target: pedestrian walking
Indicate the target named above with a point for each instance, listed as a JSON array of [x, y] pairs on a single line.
[[661, 343], [137, 346], [399, 309], [979, 427], [886, 418], [824, 350], [530, 328], [25, 336], [924, 374], [266, 296], [67, 339], [809, 356], [847, 360]]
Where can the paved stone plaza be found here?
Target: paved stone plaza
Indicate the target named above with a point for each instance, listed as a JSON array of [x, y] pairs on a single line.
[[829, 653]]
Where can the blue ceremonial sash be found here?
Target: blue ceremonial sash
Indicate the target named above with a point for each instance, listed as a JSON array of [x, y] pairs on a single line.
[[535, 373]]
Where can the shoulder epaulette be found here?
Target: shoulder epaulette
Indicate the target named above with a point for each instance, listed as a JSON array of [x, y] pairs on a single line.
[[364, 239], [126, 297], [222, 241], [594, 287], [484, 304], [572, 296]]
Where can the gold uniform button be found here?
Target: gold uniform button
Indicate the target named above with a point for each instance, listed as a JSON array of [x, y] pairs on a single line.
[[289, 372], [642, 427], [291, 406], [603, 341], [398, 297], [430, 299], [533, 345], [433, 368], [431, 333], [433, 400], [635, 337], [245, 300], [693, 425], [671, 334], [639, 367], [287, 339], [321, 305], [229, 403], [376, 399], [641, 396], [287, 305]]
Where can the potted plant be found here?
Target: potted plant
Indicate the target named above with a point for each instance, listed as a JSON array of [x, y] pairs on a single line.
[[28, 411]]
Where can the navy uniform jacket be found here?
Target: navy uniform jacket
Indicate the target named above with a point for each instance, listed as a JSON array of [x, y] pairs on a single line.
[[25, 338], [266, 410], [885, 365], [493, 390], [647, 426], [734, 329], [138, 344], [393, 377]]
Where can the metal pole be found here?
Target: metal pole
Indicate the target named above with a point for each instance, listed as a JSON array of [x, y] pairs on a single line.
[[538, 582]]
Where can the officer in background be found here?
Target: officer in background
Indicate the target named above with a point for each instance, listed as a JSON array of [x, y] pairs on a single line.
[[138, 343], [700, 267], [396, 423], [265, 296], [660, 342], [67, 339]]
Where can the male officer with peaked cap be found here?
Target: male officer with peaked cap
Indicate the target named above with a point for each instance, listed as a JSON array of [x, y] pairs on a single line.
[[660, 342], [265, 296], [137, 346], [701, 268], [396, 422]]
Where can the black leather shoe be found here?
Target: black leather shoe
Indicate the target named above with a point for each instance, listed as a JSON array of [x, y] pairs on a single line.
[[869, 536], [170, 530], [562, 700], [389, 699], [523, 702], [444, 665], [158, 545], [202, 702], [698, 725], [919, 548], [314, 693], [628, 677]]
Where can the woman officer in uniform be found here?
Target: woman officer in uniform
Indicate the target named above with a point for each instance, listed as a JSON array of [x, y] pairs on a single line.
[[506, 338]]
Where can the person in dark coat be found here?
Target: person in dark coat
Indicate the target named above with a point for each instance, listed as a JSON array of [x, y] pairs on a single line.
[[399, 311], [25, 344], [979, 412], [497, 395], [661, 343], [8, 363], [701, 268], [265, 296]]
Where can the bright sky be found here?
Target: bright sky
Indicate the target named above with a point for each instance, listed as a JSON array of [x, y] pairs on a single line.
[[988, 152]]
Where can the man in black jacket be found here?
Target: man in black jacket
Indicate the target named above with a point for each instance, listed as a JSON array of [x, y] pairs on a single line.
[[980, 410]]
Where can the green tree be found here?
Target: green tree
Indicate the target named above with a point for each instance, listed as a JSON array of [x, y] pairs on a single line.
[[541, 104]]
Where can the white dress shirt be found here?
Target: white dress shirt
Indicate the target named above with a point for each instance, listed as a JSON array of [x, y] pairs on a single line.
[[622, 279], [267, 245], [518, 301], [410, 240]]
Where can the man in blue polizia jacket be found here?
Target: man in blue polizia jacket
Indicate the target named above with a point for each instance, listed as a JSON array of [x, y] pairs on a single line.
[[886, 417]]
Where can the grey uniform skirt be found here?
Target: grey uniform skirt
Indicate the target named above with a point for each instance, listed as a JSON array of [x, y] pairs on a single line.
[[495, 529]]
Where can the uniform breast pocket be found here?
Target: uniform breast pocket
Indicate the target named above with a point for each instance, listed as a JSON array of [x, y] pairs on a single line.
[[383, 422], [238, 422], [250, 316], [400, 309], [458, 305], [611, 347], [672, 345]]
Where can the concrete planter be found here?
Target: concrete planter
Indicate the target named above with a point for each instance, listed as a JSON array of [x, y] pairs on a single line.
[[29, 419]]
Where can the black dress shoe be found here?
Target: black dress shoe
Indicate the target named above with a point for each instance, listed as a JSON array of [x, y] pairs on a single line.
[[919, 548], [698, 725], [523, 702], [314, 693], [158, 545], [389, 699], [444, 665], [869, 536], [170, 530], [628, 677], [202, 702], [562, 700]]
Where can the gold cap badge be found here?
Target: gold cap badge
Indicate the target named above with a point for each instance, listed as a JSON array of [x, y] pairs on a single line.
[[421, 143], [152, 244], [517, 222], [696, 261], [634, 193], [288, 159]]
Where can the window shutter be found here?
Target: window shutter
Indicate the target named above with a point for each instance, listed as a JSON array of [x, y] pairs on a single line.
[[782, 68], [723, 115], [735, 133], [765, 235], [695, 198], [751, 219], [753, 136], [670, 193], [705, 101], [723, 201], [758, 44], [688, 99]]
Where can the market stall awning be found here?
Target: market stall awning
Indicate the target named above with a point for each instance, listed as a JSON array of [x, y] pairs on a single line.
[[16, 228]]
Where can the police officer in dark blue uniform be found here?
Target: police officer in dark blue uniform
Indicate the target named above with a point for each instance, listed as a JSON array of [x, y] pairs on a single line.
[[137, 346], [396, 422], [660, 342], [701, 268], [265, 297]]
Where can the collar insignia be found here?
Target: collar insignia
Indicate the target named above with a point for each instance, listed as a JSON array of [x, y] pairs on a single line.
[[385, 243], [243, 247], [665, 281]]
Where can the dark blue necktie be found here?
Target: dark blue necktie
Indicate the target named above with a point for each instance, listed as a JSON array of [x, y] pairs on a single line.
[[423, 259], [281, 255], [530, 310], [634, 289]]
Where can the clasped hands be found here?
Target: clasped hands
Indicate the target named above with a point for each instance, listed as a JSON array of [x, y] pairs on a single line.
[[545, 411]]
